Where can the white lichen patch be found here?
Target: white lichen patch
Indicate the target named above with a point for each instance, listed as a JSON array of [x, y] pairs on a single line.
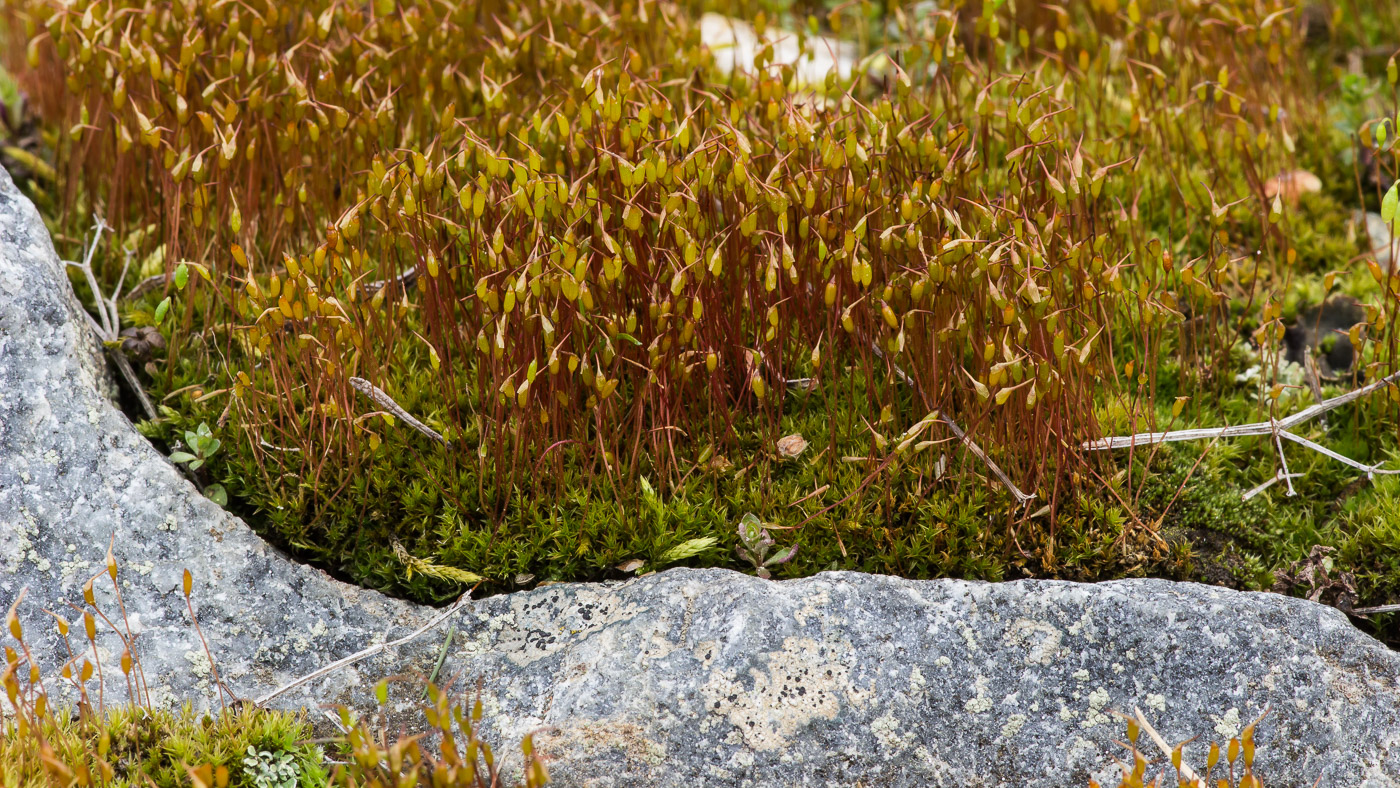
[[40, 562], [658, 646], [917, 682], [1041, 640], [798, 684], [16, 541], [1276, 673], [1156, 701], [162, 697], [1013, 725], [980, 704], [199, 663], [1083, 750], [70, 571], [1228, 726], [943, 661], [886, 732], [595, 739], [705, 651], [815, 607], [1081, 675], [1098, 699], [1083, 627]]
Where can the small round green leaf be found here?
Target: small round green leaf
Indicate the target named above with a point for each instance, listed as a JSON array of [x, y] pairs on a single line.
[[217, 494]]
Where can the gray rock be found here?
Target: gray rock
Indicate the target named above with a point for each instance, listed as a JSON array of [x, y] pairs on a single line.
[[680, 678], [707, 677]]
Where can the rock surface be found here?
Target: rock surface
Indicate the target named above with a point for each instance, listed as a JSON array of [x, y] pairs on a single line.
[[712, 678], [682, 678]]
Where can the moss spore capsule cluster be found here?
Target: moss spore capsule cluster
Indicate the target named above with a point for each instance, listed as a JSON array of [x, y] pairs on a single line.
[[570, 244]]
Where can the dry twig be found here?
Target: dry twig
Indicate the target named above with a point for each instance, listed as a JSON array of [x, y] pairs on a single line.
[[1362, 611], [1021, 497], [366, 653], [376, 395], [1279, 430], [1187, 772], [107, 324], [402, 280], [149, 283]]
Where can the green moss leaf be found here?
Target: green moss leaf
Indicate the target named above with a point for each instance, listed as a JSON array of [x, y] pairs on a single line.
[[688, 549]]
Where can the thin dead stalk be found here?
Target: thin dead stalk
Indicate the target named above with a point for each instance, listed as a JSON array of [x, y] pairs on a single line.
[[402, 280], [1278, 430], [1241, 430], [1362, 611], [1021, 498], [107, 324], [376, 395], [1187, 772], [147, 284], [366, 653]]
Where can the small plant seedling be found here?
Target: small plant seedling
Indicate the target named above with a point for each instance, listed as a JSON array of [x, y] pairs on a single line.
[[202, 446], [757, 543], [202, 443], [271, 770]]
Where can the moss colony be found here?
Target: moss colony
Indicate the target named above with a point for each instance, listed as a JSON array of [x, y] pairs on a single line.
[[509, 292]]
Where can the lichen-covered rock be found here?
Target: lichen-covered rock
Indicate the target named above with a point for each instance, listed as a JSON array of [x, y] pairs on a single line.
[[713, 678], [677, 679]]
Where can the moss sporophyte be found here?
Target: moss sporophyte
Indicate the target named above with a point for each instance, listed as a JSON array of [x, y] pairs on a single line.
[[448, 283]]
